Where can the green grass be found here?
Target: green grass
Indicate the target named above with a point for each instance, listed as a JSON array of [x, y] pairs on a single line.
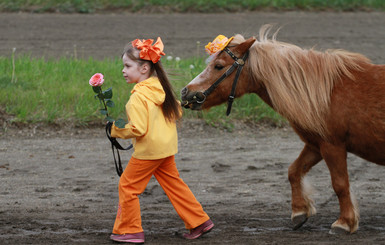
[[57, 91], [207, 6]]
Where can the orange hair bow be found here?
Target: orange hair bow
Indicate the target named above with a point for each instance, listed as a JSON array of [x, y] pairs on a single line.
[[148, 51]]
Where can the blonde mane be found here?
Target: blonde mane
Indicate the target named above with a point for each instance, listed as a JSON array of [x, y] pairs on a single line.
[[298, 81]]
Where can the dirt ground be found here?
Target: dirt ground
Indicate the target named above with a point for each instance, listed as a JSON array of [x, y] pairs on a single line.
[[59, 186], [104, 36]]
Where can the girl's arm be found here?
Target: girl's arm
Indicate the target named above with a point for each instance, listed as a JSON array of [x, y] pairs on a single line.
[[136, 110]]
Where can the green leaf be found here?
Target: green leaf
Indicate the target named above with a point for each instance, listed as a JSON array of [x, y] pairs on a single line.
[[110, 119], [101, 96], [108, 93], [103, 111], [120, 123], [110, 103], [97, 89]]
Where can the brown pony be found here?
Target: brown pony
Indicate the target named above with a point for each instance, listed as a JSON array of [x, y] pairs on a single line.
[[334, 101]]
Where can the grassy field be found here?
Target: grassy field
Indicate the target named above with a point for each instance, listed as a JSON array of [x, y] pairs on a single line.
[[57, 91], [207, 6]]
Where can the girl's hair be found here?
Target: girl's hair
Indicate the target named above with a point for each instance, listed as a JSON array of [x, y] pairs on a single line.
[[170, 107]]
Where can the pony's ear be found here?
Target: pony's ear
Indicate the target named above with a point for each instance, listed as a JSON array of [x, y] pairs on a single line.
[[243, 47]]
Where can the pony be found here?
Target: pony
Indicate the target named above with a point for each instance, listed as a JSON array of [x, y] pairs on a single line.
[[334, 100]]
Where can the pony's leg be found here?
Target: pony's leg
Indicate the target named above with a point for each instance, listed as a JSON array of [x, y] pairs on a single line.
[[335, 158], [302, 205]]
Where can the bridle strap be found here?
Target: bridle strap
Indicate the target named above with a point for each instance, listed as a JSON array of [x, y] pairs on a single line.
[[238, 64], [220, 79], [232, 93], [116, 146]]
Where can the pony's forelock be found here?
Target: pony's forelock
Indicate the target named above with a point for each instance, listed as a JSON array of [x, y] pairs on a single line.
[[238, 39]]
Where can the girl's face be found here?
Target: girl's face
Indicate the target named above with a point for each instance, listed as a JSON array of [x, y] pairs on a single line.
[[133, 72]]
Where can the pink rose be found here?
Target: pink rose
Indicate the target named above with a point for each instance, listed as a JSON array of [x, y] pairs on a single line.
[[97, 80]]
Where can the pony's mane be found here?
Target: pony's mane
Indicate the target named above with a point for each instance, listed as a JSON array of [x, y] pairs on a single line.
[[298, 81]]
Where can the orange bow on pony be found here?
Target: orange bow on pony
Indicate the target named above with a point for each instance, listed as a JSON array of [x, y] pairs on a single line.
[[148, 52]]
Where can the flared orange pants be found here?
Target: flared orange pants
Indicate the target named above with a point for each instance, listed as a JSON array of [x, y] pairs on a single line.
[[134, 181]]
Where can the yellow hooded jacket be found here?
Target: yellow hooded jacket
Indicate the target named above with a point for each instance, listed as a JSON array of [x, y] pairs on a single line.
[[153, 136]]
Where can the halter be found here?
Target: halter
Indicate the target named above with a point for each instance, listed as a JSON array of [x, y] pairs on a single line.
[[238, 65]]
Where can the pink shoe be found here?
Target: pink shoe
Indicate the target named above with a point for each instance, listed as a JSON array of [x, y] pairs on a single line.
[[130, 238], [200, 230]]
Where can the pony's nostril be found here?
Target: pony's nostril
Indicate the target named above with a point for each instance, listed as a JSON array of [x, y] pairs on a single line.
[[184, 91]]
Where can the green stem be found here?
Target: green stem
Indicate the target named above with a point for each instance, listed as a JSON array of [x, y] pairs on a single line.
[[104, 103], [105, 107], [13, 66]]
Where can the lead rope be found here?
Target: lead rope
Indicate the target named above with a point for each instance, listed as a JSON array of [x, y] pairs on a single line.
[[115, 146]]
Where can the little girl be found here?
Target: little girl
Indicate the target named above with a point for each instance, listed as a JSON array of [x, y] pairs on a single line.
[[152, 111]]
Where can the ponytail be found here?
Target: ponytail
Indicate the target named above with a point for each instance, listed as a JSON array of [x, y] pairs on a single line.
[[170, 107]]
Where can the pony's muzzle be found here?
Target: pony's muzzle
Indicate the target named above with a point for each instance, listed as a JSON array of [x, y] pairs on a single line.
[[185, 102], [184, 91], [192, 99]]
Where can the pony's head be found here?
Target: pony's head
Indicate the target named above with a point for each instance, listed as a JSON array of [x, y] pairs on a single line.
[[295, 82], [200, 94]]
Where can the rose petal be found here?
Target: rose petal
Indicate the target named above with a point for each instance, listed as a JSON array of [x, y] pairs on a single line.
[[97, 80]]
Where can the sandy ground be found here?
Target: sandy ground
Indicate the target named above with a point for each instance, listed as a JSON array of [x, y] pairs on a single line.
[[60, 186]]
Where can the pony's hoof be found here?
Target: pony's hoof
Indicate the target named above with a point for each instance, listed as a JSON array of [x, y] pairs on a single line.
[[299, 220], [339, 229]]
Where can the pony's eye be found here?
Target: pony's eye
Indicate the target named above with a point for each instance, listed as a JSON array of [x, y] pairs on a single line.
[[218, 67]]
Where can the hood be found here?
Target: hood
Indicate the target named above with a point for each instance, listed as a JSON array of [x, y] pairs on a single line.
[[151, 89]]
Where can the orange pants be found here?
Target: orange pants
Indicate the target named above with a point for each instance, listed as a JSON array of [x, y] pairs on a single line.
[[134, 181]]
